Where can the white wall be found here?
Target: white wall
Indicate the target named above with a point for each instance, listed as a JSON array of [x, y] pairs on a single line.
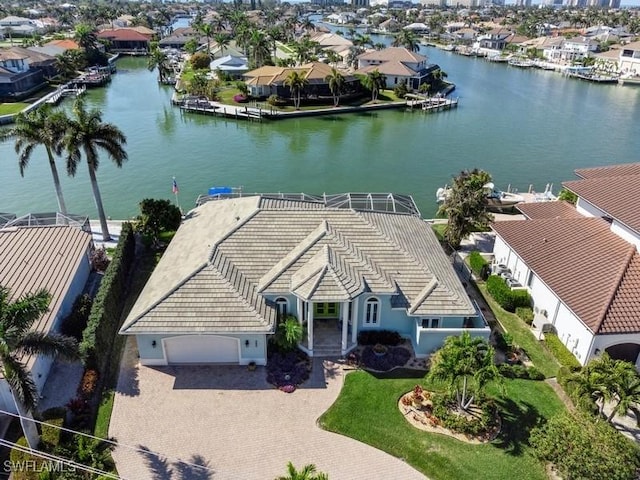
[[573, 333], [587, 209], [626, 233]]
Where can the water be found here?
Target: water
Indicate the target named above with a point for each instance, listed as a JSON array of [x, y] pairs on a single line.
[[523, 126]]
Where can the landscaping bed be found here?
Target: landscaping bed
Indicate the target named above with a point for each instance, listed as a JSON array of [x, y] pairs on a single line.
[[288, 370]]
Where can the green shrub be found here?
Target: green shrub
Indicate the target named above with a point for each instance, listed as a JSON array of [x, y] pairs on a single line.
[[288, 334], [50, 434], [508, 299], [276, 101], [200, 61], [401, 90], [21, 458], [104, 320], [75, 323], [526, 314], [560, 352], [479, 266]]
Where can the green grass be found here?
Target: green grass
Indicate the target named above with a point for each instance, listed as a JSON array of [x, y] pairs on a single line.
[[439, 229], [103, 418], [10, 108], [367, 411], [522, 336]]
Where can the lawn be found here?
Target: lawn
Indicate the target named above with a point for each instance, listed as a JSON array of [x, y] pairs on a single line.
[[522, 336], [10, 108], [367, 410]]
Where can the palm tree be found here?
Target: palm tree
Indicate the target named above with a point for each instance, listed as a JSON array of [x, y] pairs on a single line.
[[627, 391], [158, 59], [463, 360], [296, 82], [222, 41], [69, 62], [40, 127], [308, 472], [86, 37], [336, 84], [207, 30], [87, 133], [259, 47], [17, 316], [408, 40], [375, 81]]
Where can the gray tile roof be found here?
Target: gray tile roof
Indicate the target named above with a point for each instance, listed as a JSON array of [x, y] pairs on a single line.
[[229, 253]]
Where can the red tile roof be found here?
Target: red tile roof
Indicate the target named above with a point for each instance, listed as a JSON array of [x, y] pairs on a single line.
[[558, 209], [616, 196], [610, 171], [593, 271], [123, 35]]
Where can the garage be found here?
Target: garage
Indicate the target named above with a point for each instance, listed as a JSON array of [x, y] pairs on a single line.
[[201, 349]]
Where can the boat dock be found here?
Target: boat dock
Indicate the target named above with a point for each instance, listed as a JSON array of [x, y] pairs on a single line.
[[431, 104], [66, 91]]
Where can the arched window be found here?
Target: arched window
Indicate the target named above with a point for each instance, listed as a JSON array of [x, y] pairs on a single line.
[[372, 312], [282, 304]]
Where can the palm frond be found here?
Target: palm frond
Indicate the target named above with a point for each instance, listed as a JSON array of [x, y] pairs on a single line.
[[20, 380], [49, 345]]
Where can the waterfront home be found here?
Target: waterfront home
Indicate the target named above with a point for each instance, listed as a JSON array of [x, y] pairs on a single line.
[[56, 47], [333, 42], [19, 26], [398, 65], [629, 62], [582, 265], [230, 65], [125, 40], [52, 257], [495, 39], [23, 72], [271, 80], [340, 264], [572, 50]]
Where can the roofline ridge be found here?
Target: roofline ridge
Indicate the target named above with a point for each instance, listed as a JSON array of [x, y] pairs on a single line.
[[632, 252], [231, 232]]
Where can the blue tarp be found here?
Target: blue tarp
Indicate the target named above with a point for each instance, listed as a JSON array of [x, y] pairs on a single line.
[[219, 190]]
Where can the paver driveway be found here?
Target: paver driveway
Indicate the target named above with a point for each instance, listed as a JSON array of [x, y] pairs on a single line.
[[234, 423]]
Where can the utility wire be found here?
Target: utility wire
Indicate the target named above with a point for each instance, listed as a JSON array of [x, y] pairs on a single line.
[[143, 451]]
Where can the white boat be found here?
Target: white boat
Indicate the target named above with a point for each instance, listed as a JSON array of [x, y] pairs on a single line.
[[521, 63], [496, 199]]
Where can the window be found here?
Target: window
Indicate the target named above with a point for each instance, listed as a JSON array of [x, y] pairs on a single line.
[[373, 306], [430, 322], [282, 305], [319, 308], [332, 308]]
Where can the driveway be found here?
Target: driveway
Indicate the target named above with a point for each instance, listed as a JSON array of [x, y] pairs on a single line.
[[227, 423]]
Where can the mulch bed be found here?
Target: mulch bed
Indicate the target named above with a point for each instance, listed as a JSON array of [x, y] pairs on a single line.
[[287, 371]]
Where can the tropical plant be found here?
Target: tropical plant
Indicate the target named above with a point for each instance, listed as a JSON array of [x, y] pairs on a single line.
[[43, 127], [86, 37], [374, 82], [296, 83], [568, 196], [207, 30], [69, 62], [465, 206], [259, 48], [157, 216], [87, 134], [336, 84], [222, 41], [466, 364], [288, 334], [408, 40], [200, 61], [158, 59], [191, 46], [17, 340], [308, 472]]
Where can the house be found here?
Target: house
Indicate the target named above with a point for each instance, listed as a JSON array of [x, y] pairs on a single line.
[[495, 39], [574, 49], [270, 80], [125, 40], [582, 265], [52, 257], [233, 66], [398, 65], [22, 72], [56, 47], [340, 264], [629, 63], [19, 26]]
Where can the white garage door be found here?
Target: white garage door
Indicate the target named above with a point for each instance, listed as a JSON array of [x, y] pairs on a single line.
[[201, 349]]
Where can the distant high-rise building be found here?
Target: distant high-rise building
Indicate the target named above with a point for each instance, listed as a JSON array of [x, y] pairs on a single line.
[[523, 3], [360, 3]]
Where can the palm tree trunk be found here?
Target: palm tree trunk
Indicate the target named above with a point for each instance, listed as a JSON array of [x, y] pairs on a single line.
[[96, 195], [56, 181]]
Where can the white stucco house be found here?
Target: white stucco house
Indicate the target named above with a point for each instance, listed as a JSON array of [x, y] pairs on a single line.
[[341, 264], [582, 265], [629, 60], [398, 65], [43, 256]]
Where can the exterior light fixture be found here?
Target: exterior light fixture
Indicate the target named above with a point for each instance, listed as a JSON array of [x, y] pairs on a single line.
[[153, 344], [246, 343]]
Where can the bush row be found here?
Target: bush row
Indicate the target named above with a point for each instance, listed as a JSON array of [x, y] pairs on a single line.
[[479, 266], [560, 352], [507, 298], [104, 319], [526, 314]]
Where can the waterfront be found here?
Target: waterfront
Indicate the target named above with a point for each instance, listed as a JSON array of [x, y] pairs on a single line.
[[523, 126]]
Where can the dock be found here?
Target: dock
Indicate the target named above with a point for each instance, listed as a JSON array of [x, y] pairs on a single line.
[[66, 91], [431, 104]]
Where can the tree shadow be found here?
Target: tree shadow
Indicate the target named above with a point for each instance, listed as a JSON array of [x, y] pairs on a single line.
[[158, 466], [517, 422], [398, 373], [197, 468]]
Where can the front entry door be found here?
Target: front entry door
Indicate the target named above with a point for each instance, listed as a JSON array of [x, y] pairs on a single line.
[[326, 310]]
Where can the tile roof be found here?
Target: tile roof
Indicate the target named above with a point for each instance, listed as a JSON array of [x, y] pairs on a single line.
[[592, 270], [123, 35], [609, 171], [559, 209], [616, 196], [314, 72], [399, 54], [389, 68], [33, 258], [230, 253]]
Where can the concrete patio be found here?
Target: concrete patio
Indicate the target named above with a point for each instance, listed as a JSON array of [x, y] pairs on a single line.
[[229, 424]]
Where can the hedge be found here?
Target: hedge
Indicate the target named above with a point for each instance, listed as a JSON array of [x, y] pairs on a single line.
[[104, 320], [479, 266], [507, 298], [526, 314], [562, 353], [23, 459]]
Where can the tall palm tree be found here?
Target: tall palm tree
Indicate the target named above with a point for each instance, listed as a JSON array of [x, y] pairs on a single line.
[[222, 40], [86, 37], [87, 134], [207, 30], [35, 128], [336, 83], [296, 82], [158, 59], [408, 40], [375, 81], [69, 62], [260, 48], [17, 339]]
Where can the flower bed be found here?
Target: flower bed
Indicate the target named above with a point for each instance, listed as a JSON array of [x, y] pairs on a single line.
[[289, 370], [394, 357], [240, 99]]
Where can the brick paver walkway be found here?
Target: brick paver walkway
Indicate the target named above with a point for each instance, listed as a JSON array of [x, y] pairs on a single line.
[[234, 423]]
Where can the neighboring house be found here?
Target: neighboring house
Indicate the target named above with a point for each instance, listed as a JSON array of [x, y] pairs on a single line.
[[125, 40], [56, 47], [495, 39], [398, 65], [18, 25], [23, 72], [55, 258], [233, 66], [179, 41], [390, 26], [465, 35], [629, 62], [270, 80], [236, 266], [575, 49], [552, 48], [582, 265]]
